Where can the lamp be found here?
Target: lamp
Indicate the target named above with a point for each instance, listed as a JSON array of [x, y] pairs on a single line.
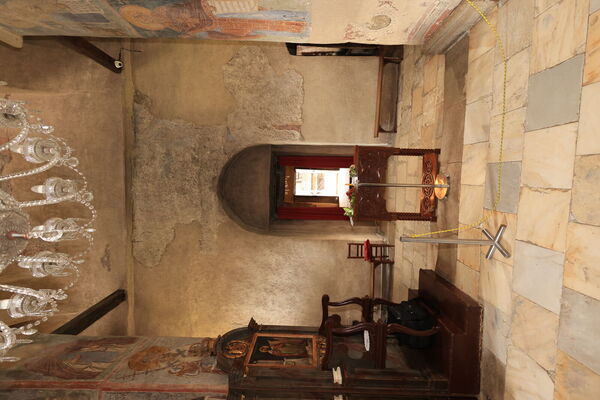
[[36, 144]]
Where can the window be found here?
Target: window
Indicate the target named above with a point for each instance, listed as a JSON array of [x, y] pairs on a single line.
[[316, 182]]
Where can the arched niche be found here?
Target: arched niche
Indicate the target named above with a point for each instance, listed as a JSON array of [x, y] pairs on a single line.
[[247, 191]]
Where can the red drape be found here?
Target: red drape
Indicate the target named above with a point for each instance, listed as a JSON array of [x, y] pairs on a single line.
[[316, 162], [320, 213]]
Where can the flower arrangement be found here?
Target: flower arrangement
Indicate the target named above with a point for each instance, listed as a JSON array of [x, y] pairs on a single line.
[[351, 193]]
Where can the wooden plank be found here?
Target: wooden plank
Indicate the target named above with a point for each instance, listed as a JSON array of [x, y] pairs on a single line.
[[92, 314], [10, 38], [462, 19]]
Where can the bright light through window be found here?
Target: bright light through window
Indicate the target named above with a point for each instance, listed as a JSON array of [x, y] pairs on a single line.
[[316, 182]]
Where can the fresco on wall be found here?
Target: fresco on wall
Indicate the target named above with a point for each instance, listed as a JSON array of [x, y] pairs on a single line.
[[276, 20], [115, 368], [215, 19]]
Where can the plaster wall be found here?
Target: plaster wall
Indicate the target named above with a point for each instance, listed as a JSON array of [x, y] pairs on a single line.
[[83, 102], [196, 105]]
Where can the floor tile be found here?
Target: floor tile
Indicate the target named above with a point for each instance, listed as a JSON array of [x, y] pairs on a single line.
[[582, 266], [496, 329], [477, 121], [479, 77], [585, 190], [554, 95], [492, 376], [579, 326], [534, 330], [594, 5], [525, 379], [548, 157], [574, 381], [430, 73], [510, 186], [543, 217], [538, 274], [455, 75], [452, 143], [588, 141], [471, 204], [417, 101], [591, 72], [495, 284], [514, 127], [559, 33], [474, 164], [517, 79]]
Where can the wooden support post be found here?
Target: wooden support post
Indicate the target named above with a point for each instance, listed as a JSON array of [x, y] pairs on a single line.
[[92, 314], [86, 48]]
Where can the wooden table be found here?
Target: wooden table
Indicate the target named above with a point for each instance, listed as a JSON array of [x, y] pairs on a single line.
[[371, 167]]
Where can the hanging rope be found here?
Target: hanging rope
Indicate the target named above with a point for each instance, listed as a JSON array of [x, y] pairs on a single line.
[[501, 140]]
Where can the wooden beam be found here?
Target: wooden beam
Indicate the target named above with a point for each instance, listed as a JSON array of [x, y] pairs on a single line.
[[10, 38], [92, 314], [86, 48], [459, 22]]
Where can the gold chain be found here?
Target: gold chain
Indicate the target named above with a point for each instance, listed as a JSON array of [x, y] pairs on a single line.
[[502, 119]]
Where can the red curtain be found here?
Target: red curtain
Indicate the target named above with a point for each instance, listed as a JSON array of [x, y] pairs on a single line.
[[316, 162], [320, 213]]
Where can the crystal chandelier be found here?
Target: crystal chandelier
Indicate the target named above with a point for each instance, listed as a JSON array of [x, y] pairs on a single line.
[[35, 143]]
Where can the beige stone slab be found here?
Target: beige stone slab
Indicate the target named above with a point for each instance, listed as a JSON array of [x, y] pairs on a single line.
[[591, 72], [559, 33], [474, 164], [430, 73], [543, 217], [496, 331], [477, 121], [515, 21], [471, 204], [492, 376], [579, 325], [574, 381], [535, 330], [588, 141], [542, 5], [493, 221], [470, 255], [512, 146], [582, 266], [517, 79], [548, 157], [482, 38], [584, 205], [495, 285], [479, 77], [525, 379], [417, 101], [467, 280], [538, 274]]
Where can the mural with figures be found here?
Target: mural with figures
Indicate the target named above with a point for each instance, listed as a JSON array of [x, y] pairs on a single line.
[[276, 20], [114, 368]]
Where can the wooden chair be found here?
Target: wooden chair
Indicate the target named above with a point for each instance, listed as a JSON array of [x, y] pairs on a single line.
[[378, 331], [376, 254]]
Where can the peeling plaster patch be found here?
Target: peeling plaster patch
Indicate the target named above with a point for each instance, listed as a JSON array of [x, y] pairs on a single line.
[[105, 259], [265, 101], [177, 164], [379, 22]]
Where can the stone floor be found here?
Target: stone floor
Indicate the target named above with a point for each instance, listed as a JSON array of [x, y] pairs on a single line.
[[541, 305]]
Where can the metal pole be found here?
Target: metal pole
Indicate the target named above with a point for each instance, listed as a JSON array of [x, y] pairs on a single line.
[[416, 185], [493, 242]]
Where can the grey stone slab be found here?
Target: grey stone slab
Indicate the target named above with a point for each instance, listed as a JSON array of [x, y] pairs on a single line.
[[509, 192], [594, 5], [554, 95], [579, 328], [538, 274]]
